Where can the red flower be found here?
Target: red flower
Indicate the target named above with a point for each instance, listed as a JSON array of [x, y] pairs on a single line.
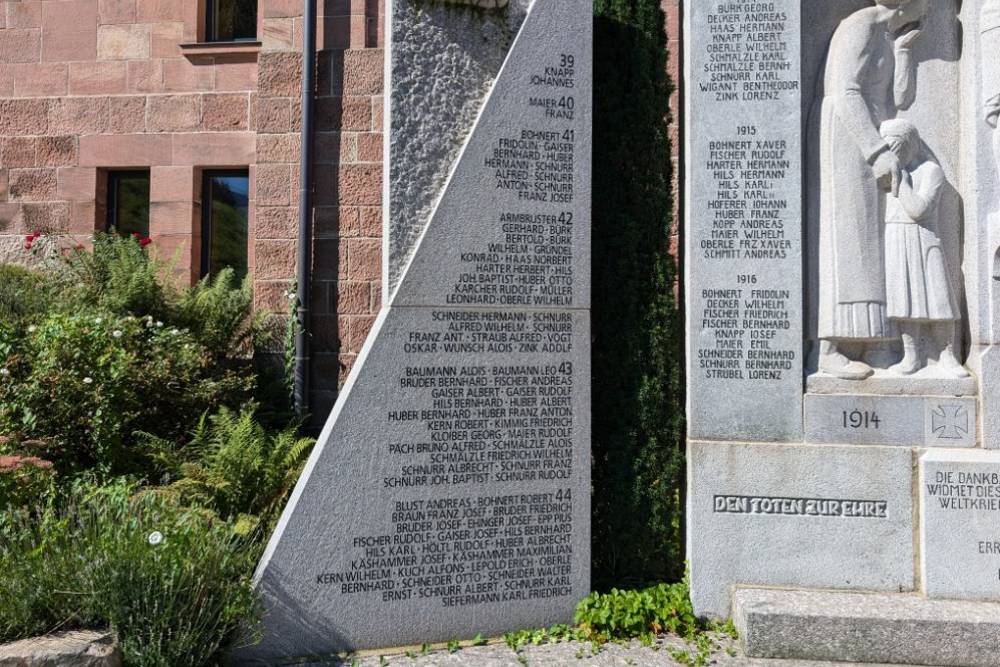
[[145, 242]]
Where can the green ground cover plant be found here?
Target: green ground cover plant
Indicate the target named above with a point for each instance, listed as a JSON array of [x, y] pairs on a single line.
[[624, 615], [93, 559]]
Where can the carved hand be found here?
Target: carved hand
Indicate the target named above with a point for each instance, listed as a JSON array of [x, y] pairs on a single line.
[[907, 39], [888, 172]]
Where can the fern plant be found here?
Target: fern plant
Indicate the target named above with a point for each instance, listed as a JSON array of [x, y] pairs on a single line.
[[219, 312], [117, 276], [234, 466]]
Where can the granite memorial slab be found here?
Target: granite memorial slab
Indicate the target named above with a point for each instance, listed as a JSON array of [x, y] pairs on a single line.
[[871, 628], [960, 524], [818, 516], [908, 421], [449, 493], [744, 210], [842, 240]]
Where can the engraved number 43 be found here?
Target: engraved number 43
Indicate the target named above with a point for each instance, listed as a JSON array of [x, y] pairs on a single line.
[[859, 419]]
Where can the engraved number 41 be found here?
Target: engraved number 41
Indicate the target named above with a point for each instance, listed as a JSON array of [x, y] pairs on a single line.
[[857, 419]]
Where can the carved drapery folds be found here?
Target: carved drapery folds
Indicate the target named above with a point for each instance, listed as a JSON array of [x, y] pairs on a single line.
[[885, 303]]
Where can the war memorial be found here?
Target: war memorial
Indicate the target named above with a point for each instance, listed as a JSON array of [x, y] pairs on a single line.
[[449, 494], [841, 260], [843, 313], [839, 179]]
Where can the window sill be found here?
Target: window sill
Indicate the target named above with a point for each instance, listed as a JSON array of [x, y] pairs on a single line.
[[220, 48]]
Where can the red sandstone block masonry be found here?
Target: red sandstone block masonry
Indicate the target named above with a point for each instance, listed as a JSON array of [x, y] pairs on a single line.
[[88, 86]]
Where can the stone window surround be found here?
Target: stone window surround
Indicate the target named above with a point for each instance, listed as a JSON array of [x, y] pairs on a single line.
[[175, 209], [195, 38]]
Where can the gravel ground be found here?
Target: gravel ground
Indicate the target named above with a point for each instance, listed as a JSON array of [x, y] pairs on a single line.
[[497, 654]]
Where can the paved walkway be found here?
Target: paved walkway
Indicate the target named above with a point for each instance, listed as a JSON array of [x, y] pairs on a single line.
[[497, 654]]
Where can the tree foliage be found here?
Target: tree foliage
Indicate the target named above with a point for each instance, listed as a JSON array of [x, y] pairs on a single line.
[[638, 447]]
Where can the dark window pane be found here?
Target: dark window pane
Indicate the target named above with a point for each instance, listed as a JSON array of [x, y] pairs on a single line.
[[128, 202], [225, 234], [231, 20]]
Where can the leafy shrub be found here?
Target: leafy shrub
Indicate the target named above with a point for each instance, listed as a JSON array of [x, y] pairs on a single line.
[[116, 276], [90, 562], [22, 293], [119, 277], [234, 466], [23, 479], [90, 380]]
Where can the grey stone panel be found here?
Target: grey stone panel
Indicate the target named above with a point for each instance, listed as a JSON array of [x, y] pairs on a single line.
[[909, 421], [449, 493], [960, 524], [443, 62], [744, 199], [369, 491], [520, 193], [856, 627], [797, 515]]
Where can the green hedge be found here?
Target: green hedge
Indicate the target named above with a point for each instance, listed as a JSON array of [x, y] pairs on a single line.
[[638, 385]]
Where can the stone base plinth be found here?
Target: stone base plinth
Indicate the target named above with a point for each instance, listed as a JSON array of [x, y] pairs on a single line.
[[863, 627], [927, 382]]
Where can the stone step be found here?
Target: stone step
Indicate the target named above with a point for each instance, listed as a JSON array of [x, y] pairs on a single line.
[[75, 648], [866, 627]]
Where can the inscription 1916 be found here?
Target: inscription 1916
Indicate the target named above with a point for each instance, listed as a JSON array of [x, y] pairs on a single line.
[[745, 215]]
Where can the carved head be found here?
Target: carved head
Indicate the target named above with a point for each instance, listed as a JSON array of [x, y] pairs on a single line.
[[905, 11], [903, 139]]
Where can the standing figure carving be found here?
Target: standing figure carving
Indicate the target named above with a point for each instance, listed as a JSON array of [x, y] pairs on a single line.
[[989, 23], [919, 298], [870, 75]]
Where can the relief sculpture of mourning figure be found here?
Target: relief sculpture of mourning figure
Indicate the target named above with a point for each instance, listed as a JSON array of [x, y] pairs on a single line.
[[919, 302], [870, 76]]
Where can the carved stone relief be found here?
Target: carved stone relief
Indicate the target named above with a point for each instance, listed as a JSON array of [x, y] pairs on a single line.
[[883, 275]]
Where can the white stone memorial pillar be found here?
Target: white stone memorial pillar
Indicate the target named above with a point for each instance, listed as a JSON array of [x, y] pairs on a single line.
[[449, 493]]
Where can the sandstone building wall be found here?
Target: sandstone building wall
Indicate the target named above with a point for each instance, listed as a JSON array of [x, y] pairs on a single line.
[[91, 86]]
